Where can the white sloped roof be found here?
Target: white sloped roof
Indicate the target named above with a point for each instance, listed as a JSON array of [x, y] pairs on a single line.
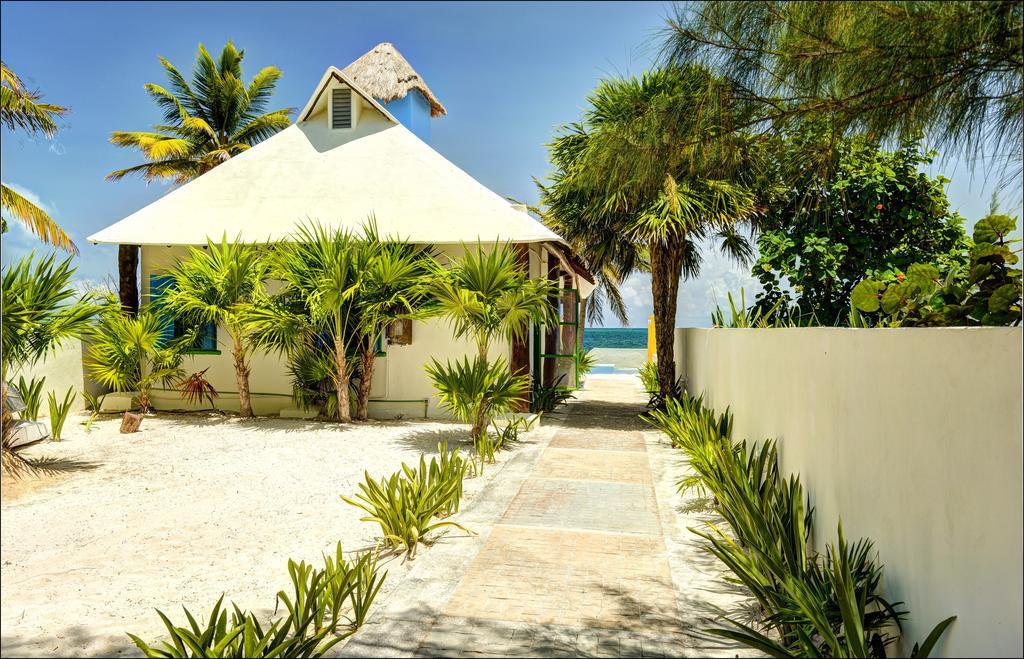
[[309, 172]]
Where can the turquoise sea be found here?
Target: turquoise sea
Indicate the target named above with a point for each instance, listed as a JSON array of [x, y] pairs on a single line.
[[615, 337]]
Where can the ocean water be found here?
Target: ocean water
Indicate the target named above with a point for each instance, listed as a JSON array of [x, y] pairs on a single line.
[[615, 337]]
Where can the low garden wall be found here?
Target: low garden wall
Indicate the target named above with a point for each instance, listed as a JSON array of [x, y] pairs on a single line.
[[912, 437]]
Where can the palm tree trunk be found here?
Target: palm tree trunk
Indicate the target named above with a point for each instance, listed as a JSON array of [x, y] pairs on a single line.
[[128, 278], [369, 359], [242, 379], [479, 428], [341, 379], [666, 270]]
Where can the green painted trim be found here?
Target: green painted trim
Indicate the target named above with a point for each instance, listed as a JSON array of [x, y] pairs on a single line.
[[202, 352], [557, 355]]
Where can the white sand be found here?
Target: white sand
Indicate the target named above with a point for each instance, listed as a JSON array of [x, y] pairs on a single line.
[[188, 508]]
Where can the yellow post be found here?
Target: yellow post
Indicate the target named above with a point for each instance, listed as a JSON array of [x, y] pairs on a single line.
[[651, 341]]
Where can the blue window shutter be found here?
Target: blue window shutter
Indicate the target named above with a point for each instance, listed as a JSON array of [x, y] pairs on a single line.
[[208, 337], [158, 285]]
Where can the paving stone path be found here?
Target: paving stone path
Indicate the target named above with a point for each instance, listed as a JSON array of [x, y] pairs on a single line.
[[573, 563]]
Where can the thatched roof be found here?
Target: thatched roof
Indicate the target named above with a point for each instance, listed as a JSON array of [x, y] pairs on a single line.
[[384, 74]]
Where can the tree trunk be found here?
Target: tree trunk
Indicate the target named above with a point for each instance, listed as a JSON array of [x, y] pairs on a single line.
[[128, 278], [242, 379], [341, 379], [130, 422], [479, 429], [666, 269], [369, 359]]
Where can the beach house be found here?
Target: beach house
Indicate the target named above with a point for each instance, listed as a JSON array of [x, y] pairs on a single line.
[[359, 147]]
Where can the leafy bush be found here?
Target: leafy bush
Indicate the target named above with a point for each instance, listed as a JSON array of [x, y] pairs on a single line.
[[475, 391], [585, 362], [59, 412], [547, 399], [196, 388], [988, 292], [774, 315], [813, 605], [407, 504], [32, 396], [648, 374]]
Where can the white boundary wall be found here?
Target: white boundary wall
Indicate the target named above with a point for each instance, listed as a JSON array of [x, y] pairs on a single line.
[[913, 437]]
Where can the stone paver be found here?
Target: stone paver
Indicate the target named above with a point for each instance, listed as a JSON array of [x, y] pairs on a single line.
[[578, 561]]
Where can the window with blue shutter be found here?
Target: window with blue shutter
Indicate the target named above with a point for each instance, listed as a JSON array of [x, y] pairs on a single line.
[[171, 328]]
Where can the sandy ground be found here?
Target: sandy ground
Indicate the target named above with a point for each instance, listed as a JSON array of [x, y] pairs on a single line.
[[621, 357], [190, 507]]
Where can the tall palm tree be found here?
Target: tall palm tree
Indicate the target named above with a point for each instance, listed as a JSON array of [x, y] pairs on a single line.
[[219, 284], [21, 109], [634, 190], [393, 288], [321, 271], [205, 123]]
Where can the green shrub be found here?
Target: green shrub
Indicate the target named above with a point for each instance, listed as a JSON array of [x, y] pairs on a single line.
[[32, 396], [814, 605], [585, 362], [309, 629], [547, 399], [94, 404], [59, 412], [648, 374], [407, 504], [988, 292], [476, 391]]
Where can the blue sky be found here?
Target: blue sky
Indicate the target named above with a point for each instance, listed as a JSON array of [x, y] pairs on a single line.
[[507, 73]]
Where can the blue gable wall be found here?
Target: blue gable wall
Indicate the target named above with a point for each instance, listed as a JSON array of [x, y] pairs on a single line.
[[413, 112]]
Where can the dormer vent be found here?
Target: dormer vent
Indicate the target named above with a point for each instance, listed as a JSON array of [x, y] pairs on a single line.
[[341, 108]]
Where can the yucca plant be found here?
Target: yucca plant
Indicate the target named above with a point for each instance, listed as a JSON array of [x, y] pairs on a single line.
[[548, 399], [474, 391], [32, 396], [585, 362], [648, 374], [59, 412], [408, 504], [94, 404]]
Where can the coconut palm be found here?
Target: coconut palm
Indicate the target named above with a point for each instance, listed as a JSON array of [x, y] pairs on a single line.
[[205, 122], [21, 109], [633, 190], [393, 289], [486, 295], [128, 353], [39, 313], [313, 315], [219, 284]]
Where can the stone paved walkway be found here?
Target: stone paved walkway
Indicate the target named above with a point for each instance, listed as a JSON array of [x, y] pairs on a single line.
[[576, 563]]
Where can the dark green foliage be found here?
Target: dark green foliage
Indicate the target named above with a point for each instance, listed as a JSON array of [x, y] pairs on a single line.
[[869, 212], [547, 399], [32, 395], [985, 292], [886, 69], [59, 412], [813, 605]]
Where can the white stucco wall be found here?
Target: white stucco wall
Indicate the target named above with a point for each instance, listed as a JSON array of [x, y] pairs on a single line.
[[62, 368], [912, 437]]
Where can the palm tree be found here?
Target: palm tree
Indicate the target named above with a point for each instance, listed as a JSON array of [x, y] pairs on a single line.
[[21, 109], [633, 190], [393, 289], [39, 313], [127, 353], [205, 123], [219, 284], [486, 295], [312, 317]]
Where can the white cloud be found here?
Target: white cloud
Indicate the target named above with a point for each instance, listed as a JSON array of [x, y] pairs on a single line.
[[57, 148]]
